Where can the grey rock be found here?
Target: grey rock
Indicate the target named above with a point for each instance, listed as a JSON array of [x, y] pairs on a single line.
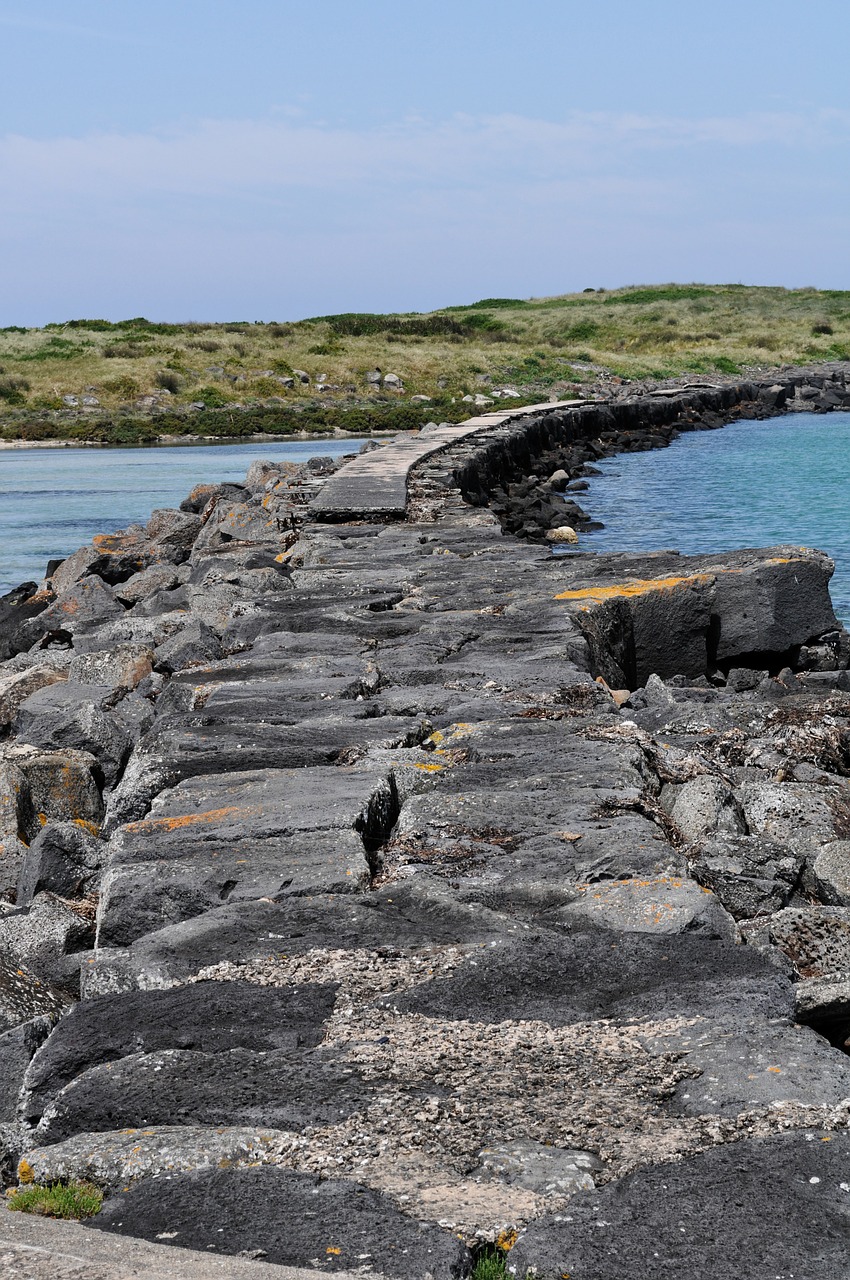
[[668, 905], [596, 973], [417, 913], [83, 606], [62, 784], [244, 835], [17, 1047], [43, 938], [116, 1159], [23, 997], [142, 585], [706, 804], [751, 875], [549, 1170], [276, 1089], [16, 687], [815, 939], [293, 1218], [173, 533], [830, 874], [206, 1018], [787, 812], [119, 668], [194, 645], [753, 1210], [71, 715], [65, 858]]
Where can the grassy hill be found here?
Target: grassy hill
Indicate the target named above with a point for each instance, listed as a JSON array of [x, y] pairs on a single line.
[[93, 379]]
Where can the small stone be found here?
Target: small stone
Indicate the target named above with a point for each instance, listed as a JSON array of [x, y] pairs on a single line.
[[563, 533]]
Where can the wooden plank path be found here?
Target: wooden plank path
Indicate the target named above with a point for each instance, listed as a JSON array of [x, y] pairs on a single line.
[[374, 485]]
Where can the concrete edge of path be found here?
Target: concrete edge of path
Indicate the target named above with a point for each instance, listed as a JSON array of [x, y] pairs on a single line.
[[34, 1248], [373, 485]]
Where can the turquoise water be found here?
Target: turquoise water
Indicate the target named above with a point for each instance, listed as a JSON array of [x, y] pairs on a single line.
[[54, 500], [751, 484]]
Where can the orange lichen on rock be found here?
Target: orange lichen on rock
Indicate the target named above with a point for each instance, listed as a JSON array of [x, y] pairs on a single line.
[[638, 587], [186, 819]]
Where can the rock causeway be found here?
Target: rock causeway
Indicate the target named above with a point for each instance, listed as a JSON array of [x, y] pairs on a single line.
[[388, 881]]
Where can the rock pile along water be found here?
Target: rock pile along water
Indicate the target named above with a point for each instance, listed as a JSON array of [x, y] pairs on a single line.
[[378, 883]]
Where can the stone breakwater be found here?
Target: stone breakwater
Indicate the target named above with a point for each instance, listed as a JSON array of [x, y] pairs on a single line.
[[377, 884]]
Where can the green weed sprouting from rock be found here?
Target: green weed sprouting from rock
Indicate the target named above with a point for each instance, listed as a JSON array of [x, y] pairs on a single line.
[[59, 1200], [490, 1264]]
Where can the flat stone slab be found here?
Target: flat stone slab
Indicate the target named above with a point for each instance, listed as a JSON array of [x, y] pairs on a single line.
[[43, 1249], [293, 1218], [374, 485]]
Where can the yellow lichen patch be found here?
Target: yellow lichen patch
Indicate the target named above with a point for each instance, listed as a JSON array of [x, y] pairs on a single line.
[[92, 827], [284, 555], [42, 819], [26, 1173], [186, 819], [638, 587], [333, 1249], [429, 768], [506, 1240]]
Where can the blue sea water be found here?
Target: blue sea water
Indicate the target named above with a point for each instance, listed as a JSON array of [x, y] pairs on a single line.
[[751, 484], [54, 500]]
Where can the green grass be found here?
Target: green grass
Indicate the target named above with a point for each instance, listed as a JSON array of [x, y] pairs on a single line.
[[59, 1200], [490, 1264], [532, 344]]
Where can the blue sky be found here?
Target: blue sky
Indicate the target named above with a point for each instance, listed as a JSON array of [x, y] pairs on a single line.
[[191, 159]]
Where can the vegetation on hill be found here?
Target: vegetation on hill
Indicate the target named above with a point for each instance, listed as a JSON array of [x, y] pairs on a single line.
[[137, 380]]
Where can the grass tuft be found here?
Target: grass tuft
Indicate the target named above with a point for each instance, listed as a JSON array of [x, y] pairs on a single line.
[[72, 1200], [490, 1264]]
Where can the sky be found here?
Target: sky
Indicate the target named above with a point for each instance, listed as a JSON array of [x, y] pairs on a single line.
[[273, 160]]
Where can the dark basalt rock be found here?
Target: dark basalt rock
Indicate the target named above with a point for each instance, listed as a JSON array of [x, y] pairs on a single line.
[[596, 973], [753, 1210], [410, 915], [205, 1018], [64, 859], [293, 1218], [278, 1089]]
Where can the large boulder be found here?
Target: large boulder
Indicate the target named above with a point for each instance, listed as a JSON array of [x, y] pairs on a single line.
[[17, 686], [74, 715], [65, 858]]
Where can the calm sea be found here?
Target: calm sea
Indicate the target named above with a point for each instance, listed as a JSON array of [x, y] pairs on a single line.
[[751, 484], [54, 500]]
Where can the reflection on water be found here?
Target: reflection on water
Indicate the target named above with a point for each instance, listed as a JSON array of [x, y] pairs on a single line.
[[54, 500]]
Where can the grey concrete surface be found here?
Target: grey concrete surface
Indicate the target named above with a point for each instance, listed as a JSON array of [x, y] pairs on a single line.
[[374, 485], [34, 1248]]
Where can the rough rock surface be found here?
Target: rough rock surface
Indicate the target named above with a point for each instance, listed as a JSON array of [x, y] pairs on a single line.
[[418, 882]]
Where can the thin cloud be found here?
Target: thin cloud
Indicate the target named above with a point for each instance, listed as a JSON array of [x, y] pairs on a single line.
[[213, 157], [43, 26]]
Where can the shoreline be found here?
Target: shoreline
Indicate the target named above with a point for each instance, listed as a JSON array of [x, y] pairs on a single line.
[[170, 442]]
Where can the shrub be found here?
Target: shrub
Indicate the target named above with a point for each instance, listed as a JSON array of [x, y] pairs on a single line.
[[60, 1200], [204, 344], [125, 386], [169, 381], [55, 349], [124, 351], [211, 396], [822, 328], [582, 332], [13, 389]]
